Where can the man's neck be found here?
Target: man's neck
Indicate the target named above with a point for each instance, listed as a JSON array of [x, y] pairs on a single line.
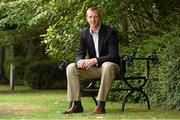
[[95, 29]]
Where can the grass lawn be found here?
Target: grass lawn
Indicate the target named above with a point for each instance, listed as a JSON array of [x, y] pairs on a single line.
[[25, 103]]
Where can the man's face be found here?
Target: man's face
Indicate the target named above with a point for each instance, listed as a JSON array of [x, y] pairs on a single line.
[[93, 18]]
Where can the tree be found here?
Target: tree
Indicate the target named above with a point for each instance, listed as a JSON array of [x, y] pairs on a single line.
[[21, 24]]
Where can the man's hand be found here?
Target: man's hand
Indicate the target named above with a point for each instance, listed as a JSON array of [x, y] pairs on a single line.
[[86, 63]]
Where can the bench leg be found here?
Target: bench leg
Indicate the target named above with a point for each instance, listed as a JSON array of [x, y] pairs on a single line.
[[94, 99], [125, 100], [147, 99]]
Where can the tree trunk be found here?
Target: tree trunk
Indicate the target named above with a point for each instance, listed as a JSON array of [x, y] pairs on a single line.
[[1, 62]]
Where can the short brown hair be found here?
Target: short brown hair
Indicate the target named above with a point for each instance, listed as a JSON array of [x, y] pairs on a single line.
[[94, 9]]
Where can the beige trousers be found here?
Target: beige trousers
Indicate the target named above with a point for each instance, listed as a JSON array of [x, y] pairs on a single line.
[[106, 72]]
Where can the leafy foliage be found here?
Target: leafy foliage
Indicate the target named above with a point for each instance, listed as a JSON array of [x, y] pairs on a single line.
[[167, 86]]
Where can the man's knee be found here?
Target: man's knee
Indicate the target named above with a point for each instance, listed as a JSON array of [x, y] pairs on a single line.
[[108, 66], [70, 68]]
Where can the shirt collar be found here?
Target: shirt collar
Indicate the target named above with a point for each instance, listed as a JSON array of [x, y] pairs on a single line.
[[97, 31]]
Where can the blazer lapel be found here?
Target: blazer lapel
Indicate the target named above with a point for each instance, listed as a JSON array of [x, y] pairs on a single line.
[[91, 43], [101, 39]]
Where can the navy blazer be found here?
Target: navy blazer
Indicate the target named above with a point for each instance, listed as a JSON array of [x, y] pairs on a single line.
[[108, 45]]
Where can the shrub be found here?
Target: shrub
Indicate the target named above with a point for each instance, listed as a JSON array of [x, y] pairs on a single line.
[[44, 75]]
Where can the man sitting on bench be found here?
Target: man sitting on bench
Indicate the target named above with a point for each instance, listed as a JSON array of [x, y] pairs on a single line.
[[100, 42]]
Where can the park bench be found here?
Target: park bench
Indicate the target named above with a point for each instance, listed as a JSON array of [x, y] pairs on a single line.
[[91, 89]]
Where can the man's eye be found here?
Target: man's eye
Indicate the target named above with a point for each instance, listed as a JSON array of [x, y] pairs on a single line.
[[93, 16]]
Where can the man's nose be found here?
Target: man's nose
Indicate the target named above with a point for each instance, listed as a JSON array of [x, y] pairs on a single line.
[[94, 18]]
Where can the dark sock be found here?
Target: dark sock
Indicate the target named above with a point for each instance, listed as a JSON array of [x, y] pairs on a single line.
[[101, 104], [78, 103]]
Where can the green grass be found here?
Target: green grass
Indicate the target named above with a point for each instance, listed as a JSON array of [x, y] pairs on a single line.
[[25, 103]]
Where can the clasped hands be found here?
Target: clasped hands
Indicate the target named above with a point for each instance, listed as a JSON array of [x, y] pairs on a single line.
[[86, 63]]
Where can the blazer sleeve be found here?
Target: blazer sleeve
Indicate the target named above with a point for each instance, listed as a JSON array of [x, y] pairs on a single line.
[[82, 49]]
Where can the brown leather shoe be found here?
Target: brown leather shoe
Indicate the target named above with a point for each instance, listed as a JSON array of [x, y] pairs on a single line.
[[74, 109], [99, 110]]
